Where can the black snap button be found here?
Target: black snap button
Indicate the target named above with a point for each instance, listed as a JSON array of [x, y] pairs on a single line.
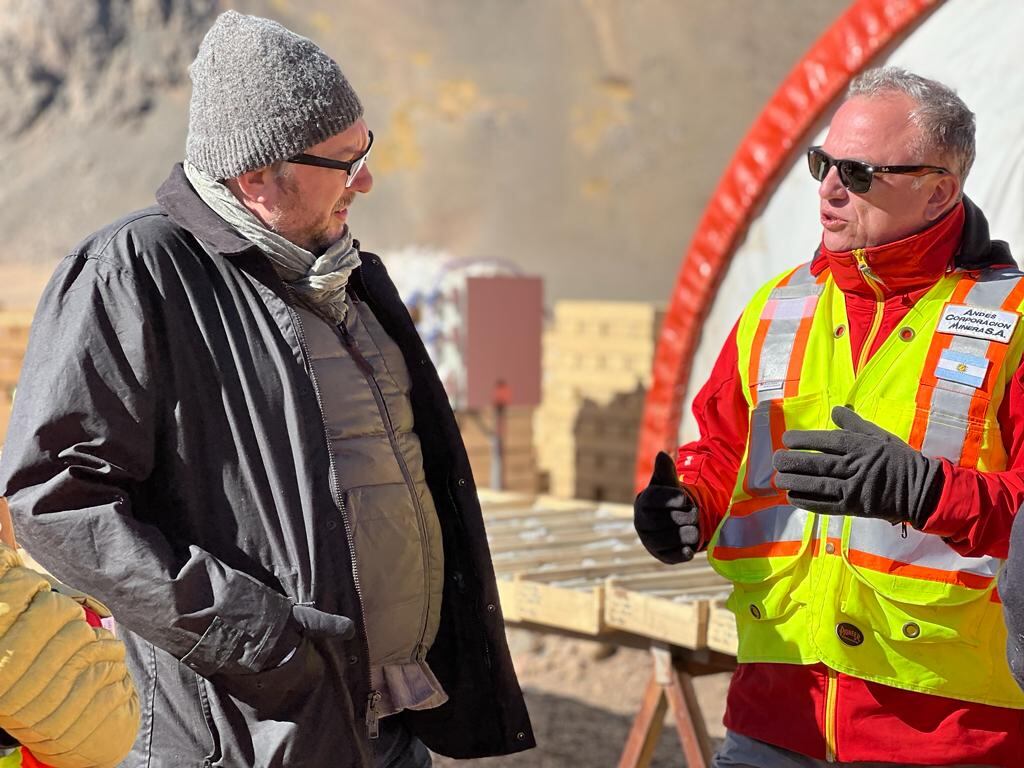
[[911, 630], [353, 659], [755, 611], [331, 525], [520, 735], [906, 334], [462, 482], [491, 607], [839, 332]]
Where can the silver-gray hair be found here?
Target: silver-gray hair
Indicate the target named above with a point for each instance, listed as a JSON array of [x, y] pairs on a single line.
[[945, 122]]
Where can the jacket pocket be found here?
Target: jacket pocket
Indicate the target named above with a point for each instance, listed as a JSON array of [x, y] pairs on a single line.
[[276, 692]]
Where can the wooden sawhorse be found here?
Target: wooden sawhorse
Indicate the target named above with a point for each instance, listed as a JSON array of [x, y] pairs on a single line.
[[671, 686]]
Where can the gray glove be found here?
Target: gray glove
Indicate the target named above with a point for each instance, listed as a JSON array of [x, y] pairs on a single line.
[[307, 621], [859, 469], [665, 516]]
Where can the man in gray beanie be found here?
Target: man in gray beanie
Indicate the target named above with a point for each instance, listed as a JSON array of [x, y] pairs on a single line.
[[228, 430]]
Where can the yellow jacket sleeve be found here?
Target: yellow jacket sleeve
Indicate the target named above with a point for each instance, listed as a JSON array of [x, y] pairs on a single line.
[[65, 692]]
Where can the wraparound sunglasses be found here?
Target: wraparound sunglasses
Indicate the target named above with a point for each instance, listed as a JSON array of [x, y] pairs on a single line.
[[856, 175]]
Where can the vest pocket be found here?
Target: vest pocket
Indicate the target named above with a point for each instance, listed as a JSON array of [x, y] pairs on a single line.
[[898, 620], [773, 599], [914, 602]]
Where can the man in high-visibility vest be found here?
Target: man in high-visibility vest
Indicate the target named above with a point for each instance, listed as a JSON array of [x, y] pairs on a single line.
[[860, 461]]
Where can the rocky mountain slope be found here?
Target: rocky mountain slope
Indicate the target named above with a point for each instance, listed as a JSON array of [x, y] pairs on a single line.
[[577, 138]]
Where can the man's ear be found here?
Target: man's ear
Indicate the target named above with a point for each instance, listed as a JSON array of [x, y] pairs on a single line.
[[944, 194], [254, 186]]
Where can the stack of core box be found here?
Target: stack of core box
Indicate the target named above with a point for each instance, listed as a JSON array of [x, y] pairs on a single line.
[[520, 459], [597, 369], [14, 327]]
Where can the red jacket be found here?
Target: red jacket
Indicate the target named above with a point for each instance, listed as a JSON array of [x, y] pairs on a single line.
[[784, 704]]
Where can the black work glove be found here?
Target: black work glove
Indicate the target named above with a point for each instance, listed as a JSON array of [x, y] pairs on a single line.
[[664, 515], [860, 469]]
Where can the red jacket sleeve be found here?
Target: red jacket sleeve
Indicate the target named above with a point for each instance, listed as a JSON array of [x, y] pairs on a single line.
[[708, 466], [977, 509]]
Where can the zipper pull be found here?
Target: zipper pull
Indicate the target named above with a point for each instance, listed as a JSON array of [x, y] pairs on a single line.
[[372, 716], [861, 256]]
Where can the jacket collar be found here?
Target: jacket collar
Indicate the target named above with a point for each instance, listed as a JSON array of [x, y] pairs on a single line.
[[186, 209], [900, 267], [960, 240]]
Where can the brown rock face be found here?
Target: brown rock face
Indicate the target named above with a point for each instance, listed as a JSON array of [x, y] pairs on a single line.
[[579, 139], [99, 59]]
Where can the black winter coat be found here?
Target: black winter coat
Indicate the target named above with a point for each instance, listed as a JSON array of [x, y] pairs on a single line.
[[167, 454]]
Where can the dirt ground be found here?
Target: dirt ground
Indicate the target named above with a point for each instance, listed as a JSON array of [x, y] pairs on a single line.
[[582, 702]]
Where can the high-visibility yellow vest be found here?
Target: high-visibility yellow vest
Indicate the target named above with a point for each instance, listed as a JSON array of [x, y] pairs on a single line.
[[867, 598]]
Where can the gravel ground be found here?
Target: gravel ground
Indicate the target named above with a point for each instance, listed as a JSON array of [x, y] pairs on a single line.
[[582, 698]]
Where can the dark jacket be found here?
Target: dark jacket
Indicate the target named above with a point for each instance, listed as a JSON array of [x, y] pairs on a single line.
[[167, 454]]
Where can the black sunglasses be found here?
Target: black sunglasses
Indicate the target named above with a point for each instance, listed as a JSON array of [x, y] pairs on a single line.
[[351, 167], [856, 175]]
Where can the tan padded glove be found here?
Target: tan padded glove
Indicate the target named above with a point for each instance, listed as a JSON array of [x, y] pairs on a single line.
[[65, 692]]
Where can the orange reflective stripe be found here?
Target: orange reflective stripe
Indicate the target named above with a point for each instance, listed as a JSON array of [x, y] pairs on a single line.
[[910, 571], [796, 360], [747, 507], [768, 549], [940, 342], [1015, 299], [754, 369]]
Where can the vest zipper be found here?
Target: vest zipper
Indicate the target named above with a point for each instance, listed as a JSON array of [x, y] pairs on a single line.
[[368, 373], [831, 695], [372, 716], [872, 281], [339, 501]]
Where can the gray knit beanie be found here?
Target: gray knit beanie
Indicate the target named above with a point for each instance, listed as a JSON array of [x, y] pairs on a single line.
[[260, 94]]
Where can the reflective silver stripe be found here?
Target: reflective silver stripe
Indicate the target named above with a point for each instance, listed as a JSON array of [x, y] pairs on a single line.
[[835, 526], [993, 287], [785, 309], [950, 407], [760, 452], [922, 549], [769, 525]]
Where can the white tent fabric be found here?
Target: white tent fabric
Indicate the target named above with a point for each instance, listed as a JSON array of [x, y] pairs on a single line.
[[971, 45]]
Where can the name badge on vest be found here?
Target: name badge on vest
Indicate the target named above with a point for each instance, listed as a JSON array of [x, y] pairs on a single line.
[[962, 368], [988, 324]]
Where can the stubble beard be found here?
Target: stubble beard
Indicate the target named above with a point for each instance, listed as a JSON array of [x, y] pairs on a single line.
[[315, 238]]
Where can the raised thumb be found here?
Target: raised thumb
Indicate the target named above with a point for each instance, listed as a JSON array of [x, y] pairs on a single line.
[[664, 471]]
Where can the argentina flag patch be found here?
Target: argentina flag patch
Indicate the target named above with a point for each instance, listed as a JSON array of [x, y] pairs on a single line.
[[962, 368]]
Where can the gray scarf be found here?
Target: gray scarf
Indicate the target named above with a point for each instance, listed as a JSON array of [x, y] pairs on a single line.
[[319, 281]]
